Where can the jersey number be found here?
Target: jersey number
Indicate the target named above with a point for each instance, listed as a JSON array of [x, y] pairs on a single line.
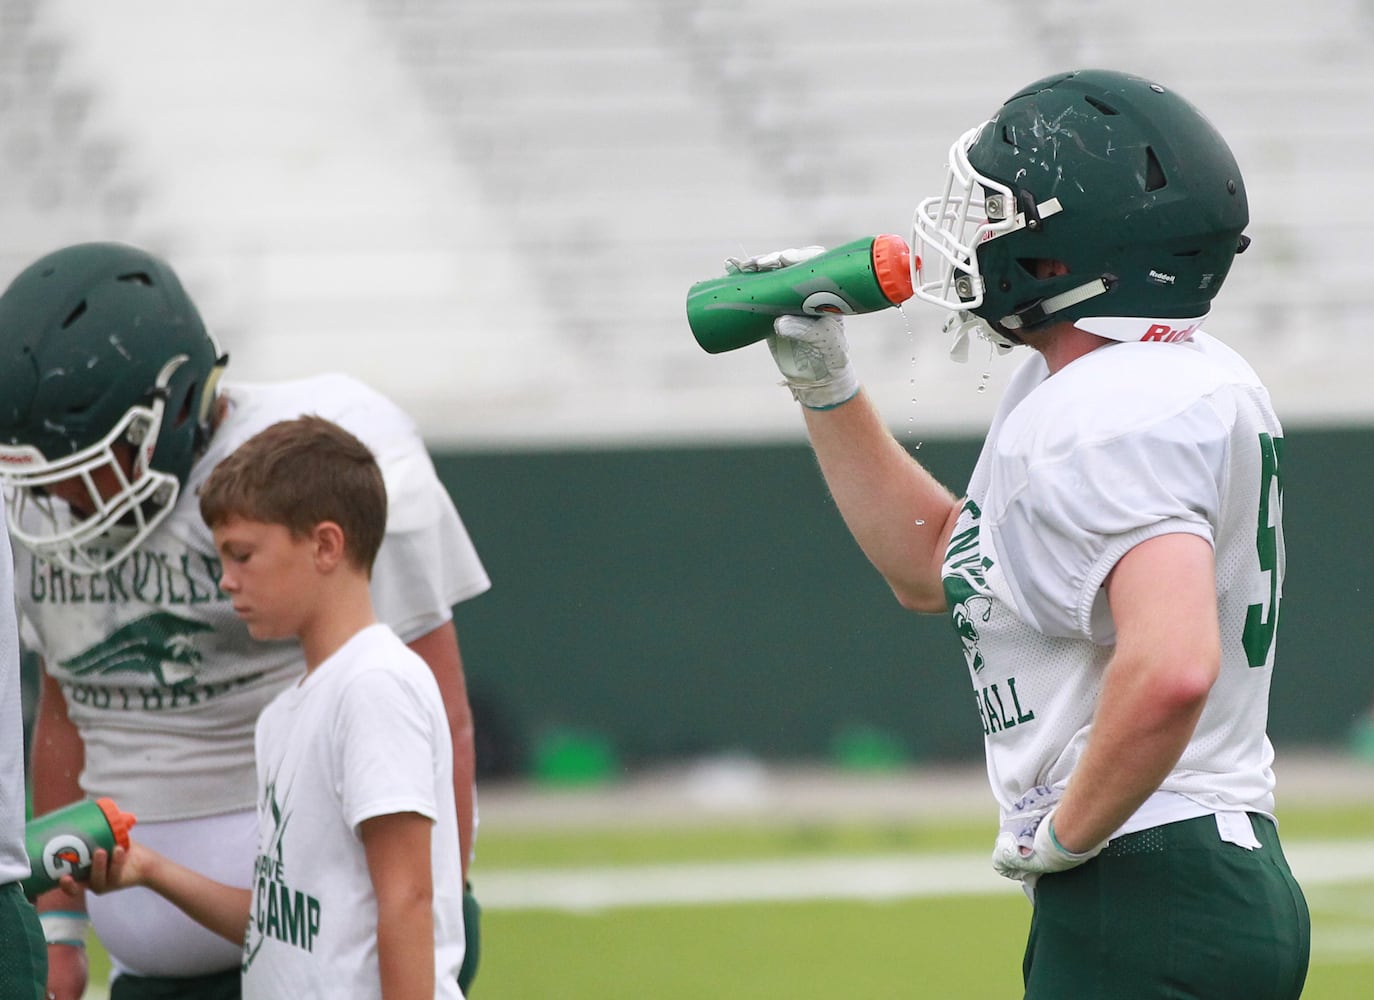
[[1261, 619]]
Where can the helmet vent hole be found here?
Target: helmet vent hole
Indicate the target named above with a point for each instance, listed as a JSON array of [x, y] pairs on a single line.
[[75, 314], [1154, 173], [137, 278], [1101, 105]]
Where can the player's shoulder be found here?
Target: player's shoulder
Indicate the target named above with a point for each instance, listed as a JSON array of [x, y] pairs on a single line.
[[1129, 389], [332, 395], [376, 660], [347, 401]]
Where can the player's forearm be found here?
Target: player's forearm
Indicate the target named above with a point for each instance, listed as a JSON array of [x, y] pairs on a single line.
[[405, 946], [1143, 723], [464, 791], [398, 862], [439, 649], [897, 512], [58, 755], [221, 908]]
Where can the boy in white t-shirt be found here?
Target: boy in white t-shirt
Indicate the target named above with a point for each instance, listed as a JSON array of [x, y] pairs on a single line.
[[356, 890]]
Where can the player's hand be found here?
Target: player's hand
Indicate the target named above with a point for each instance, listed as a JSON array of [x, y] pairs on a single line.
[[1026, 846], [811, 352], [119, 869], [67, 972], [771, 261], [813, 356]]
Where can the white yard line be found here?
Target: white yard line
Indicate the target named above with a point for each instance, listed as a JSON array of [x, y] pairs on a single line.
[[870, 877], [874, 877]]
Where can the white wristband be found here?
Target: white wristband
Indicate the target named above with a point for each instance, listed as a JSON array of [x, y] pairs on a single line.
[[65, 927]]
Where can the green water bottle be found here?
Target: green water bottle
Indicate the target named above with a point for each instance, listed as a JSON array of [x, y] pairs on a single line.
[[738, 309], [62, 842]]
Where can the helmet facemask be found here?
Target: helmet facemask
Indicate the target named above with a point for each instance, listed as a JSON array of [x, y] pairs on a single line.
[[121, 508], [974, 210], [946, 230]]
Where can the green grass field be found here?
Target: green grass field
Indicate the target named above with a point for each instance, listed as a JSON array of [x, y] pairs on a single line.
[[966, 947]]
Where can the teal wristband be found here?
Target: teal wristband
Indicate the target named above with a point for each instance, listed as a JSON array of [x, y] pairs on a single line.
[[1055, 839], [1060, 847], [67, 927]]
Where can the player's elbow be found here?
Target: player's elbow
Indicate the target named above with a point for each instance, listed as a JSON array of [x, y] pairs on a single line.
[[921, 599], [1185, 689], [406, 900]]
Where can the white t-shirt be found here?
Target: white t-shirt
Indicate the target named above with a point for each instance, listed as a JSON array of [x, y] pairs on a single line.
[[14, 859], [1131, 441], [363, 735]]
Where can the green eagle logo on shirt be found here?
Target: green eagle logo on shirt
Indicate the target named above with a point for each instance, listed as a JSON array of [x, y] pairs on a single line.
[[159, 645]]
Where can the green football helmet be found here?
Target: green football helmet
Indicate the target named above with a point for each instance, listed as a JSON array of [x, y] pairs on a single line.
[[1120, 182], [107, 376]]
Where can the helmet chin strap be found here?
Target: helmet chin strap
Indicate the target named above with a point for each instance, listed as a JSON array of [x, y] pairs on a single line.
[[1038, 312], [966, 325]]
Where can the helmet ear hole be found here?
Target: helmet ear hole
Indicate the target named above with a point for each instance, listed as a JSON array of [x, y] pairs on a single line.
[[1154, 172], [1042, 268]]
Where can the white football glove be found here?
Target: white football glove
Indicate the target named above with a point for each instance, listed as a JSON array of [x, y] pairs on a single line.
[[813, 356], [1026, 847]]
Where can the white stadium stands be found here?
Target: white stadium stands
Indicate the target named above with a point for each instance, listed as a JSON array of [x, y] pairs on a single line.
[[492, 209]]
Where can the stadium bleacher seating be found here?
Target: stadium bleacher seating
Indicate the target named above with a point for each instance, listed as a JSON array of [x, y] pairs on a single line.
[[493, 209]]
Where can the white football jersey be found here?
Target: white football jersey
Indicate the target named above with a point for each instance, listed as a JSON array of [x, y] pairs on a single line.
[[162, 678], [1131, 441]]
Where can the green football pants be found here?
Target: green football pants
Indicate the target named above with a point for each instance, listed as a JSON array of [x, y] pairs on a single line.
[[1171, 913], [23, 952], [216, 986]]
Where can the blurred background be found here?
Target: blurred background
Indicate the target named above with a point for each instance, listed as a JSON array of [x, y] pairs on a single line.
[[492, 210]]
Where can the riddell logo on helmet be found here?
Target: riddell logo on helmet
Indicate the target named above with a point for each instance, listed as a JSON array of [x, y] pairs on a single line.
[[1167, 334], [9, 458]]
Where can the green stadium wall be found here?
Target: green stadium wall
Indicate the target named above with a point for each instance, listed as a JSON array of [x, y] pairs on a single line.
[[669, 602]]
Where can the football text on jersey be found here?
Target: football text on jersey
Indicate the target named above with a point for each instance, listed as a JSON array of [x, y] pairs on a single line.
[[966, 592]]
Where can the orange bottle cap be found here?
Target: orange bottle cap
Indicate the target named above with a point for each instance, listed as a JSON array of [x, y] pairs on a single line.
[[892, 267], [120, 822]]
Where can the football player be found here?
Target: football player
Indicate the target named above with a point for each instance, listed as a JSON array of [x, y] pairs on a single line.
[[113, 413], [1115, 565]]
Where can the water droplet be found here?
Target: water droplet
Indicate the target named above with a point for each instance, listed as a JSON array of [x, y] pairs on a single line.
[[920, 521]]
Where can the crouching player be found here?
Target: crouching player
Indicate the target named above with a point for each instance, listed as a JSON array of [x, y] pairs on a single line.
[[357, 885]]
